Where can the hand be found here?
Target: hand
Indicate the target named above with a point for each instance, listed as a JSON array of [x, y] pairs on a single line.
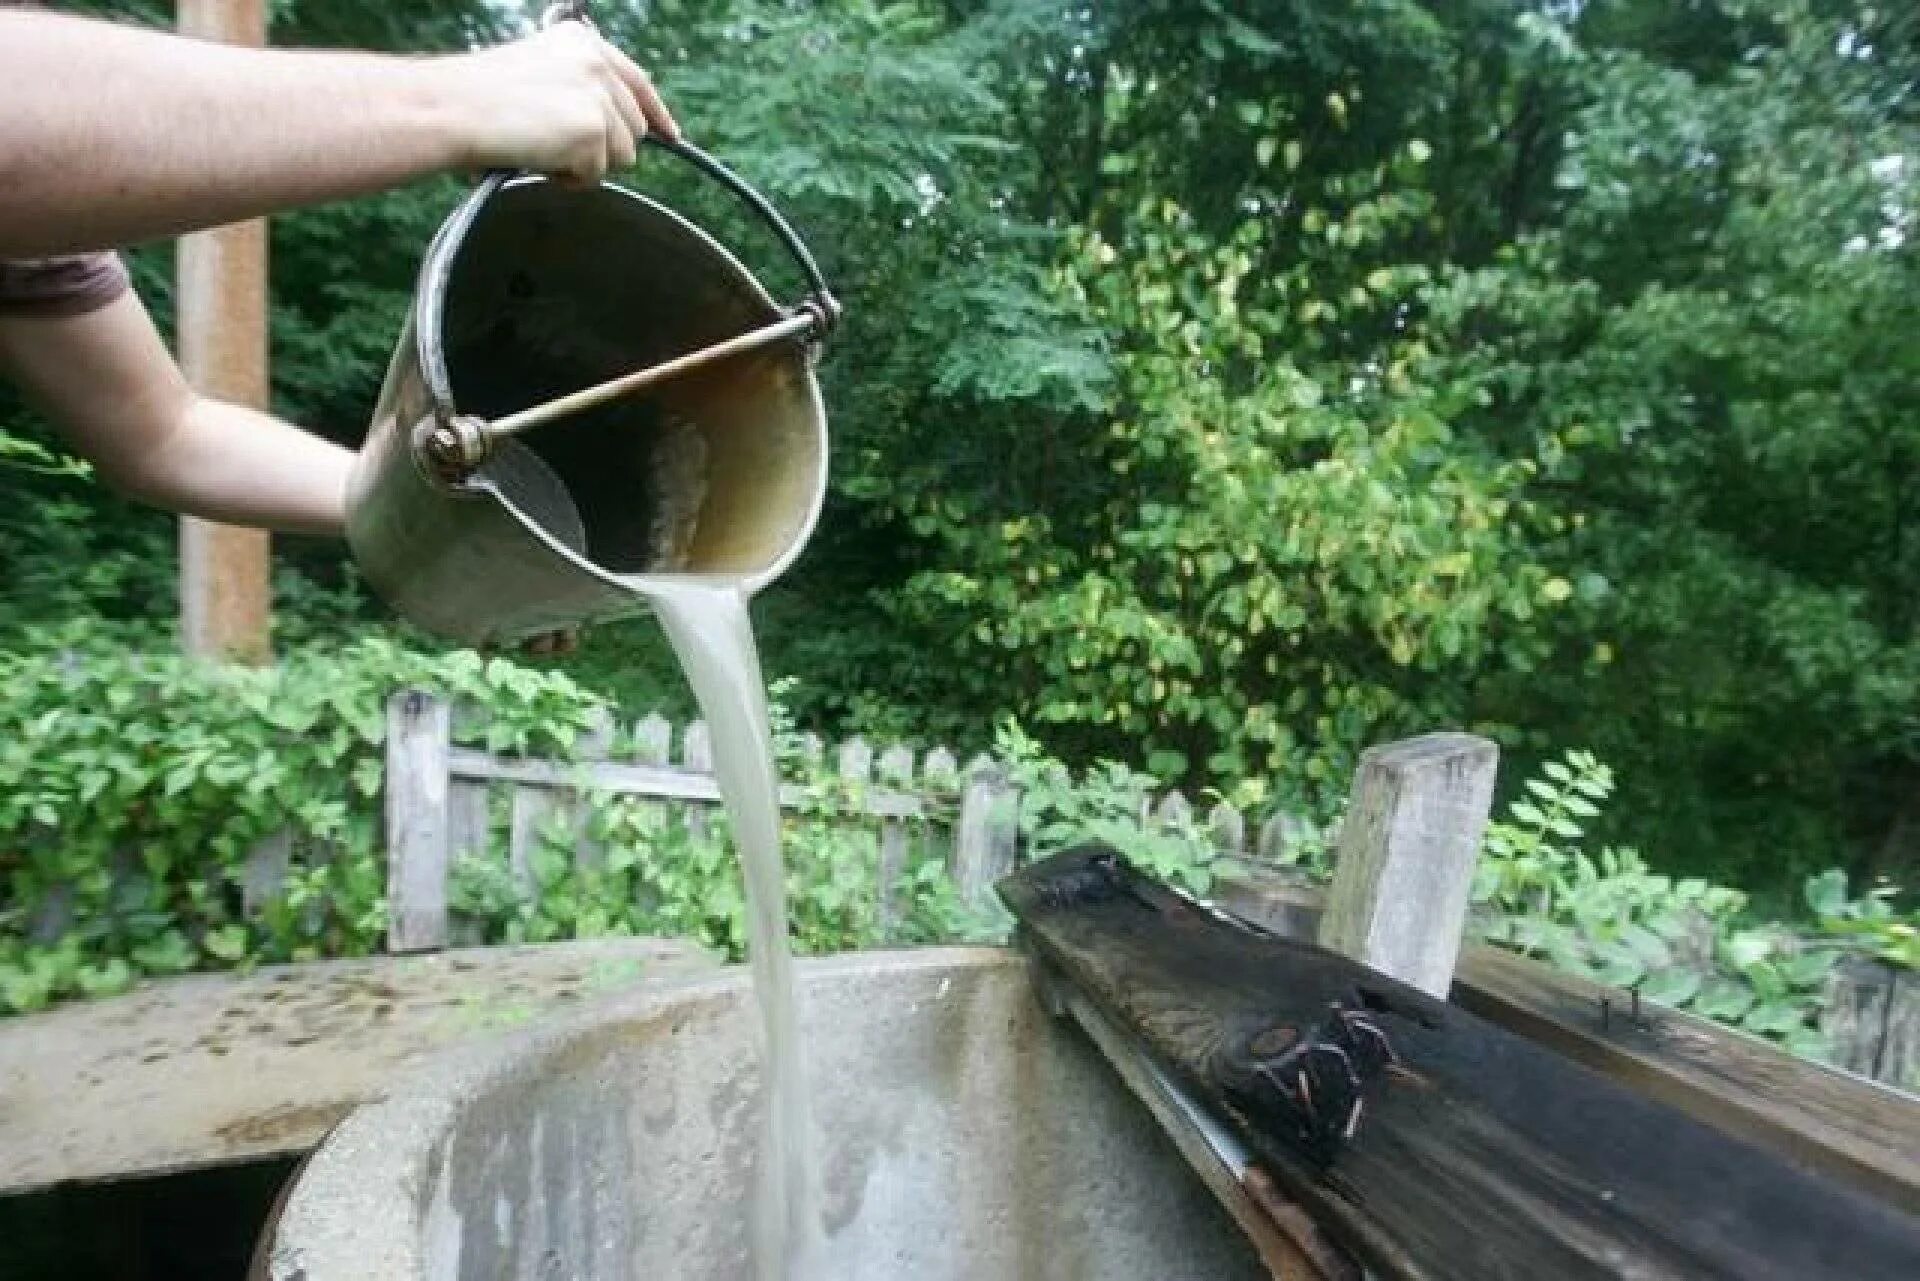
[[564, 103]]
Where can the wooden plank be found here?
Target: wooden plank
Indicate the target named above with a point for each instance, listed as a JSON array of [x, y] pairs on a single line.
[[1835, 1122], [263, 876], [469, 825], [209, 1069], [987, 832], [1844, 1126], [418, 727], [653, 740], [696, 757], [1476, 1154], [646, 780], [1227, 829], [1871, 1020], [591, 749], [532, 808], [1290, 1245], [1407, 849]]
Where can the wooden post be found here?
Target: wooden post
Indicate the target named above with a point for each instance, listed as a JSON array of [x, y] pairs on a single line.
[[1871, 1020], [1398, 902], [988, 830], [419, 733], [225, 600]]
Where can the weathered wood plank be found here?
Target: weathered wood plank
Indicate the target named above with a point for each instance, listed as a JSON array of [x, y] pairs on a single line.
[[1478, 1155], [645, 780], [591, 748], [263, 877], [1871, 1019], [418, 729], [1289, 1244], [1405, 871], [653, 740], [469, 825], [532, 809], [987, 832], [1227, 828], [856, 761], [1842, 1125]]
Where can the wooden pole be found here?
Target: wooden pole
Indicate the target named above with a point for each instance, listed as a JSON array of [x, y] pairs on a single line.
[[225, 603]]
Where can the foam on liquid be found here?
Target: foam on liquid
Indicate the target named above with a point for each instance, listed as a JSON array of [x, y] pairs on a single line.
[[706, 621]]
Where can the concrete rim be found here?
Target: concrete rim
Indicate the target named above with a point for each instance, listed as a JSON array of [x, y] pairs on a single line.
[[368, 1171]]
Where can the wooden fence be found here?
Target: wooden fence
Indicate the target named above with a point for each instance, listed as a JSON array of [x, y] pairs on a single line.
[[440, 797], [438, 804]]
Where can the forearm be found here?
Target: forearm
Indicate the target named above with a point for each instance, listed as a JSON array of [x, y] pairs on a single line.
[[110, 134], [110, 384], [228, 463]]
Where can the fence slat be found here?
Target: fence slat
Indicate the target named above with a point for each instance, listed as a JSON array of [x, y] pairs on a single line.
[[988, 831], [1227, 828], [532, 808], [653, 740], [591, 748], [939, 770], [856, 760], [1174, 811], [1278, 836], [263, 877], [1399, 896], [467, 820], [813, 752], [418, 732], [696, 757], [896, 765]]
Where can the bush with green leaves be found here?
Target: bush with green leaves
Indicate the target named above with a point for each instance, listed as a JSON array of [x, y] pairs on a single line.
[[1682, 942], [137, 783]]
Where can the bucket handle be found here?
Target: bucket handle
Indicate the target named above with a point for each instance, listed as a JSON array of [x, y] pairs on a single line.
[[826, 307]]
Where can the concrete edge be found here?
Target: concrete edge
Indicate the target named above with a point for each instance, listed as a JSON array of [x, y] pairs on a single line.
[[367, 1171]]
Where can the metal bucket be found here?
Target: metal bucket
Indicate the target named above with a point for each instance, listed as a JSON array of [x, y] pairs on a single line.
[[699, 446]]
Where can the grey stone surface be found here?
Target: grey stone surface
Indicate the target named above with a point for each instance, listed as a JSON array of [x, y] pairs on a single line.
[[966, 1135], [214, 1068]]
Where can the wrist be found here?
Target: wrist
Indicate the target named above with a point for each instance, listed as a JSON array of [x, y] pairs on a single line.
[[447, 102]]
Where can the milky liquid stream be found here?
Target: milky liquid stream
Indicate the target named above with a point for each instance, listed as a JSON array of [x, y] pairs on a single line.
[[706, 621]]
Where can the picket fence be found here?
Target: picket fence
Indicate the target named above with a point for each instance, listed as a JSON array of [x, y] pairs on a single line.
[[439, 802], [439, 805]]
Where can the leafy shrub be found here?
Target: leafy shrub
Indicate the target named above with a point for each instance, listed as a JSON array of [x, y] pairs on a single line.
[[137, 783], [1684, 943]]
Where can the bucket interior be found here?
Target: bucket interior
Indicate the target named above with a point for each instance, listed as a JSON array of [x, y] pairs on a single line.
[[553, 289]]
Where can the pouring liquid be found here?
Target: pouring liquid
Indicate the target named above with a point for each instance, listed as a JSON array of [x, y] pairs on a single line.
[[706, 621]]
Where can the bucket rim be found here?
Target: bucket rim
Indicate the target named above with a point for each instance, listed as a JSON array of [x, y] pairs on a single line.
[[429, 308]]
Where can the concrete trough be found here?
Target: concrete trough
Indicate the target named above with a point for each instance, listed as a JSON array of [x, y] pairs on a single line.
[[965, 1134]]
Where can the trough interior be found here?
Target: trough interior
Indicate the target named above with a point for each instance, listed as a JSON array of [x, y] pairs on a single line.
[[965, 1133]]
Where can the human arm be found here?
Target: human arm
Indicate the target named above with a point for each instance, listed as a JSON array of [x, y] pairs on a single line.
[[107, 380], [113, 134]]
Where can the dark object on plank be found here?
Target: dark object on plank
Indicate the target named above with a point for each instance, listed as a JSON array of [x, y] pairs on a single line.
[[1475, 1154]]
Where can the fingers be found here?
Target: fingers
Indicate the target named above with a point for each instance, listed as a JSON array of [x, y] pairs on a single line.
[[640, 84], [633, 121], [622, 145]]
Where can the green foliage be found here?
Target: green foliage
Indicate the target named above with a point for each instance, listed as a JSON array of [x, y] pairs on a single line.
[[139, 782], [1106, 804], [1684, 943], [1227, 387]]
